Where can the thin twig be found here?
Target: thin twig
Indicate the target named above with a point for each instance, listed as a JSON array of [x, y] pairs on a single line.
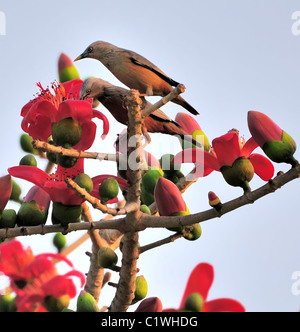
[[169, 239], [74, 153], [172, 95]]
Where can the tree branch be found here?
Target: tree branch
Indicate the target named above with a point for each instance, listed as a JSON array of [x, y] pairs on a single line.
[[172, 95]]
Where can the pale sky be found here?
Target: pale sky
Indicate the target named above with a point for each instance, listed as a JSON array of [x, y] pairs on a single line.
[[233, 56]]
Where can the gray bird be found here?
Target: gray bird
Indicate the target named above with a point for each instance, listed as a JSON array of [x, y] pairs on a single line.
[[113, 97], [135, 71]]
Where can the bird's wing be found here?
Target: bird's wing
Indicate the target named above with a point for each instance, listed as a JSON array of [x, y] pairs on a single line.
[[143, 62], [162, 117]]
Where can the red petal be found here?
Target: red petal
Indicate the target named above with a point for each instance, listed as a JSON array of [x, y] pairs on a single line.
[[227, 148], [187, 123], [79, 110], [88, 136], [40, 196], [5, 191], [59, 286], [72, 88], [200, 282], [167, 191], [206, 162], [31, 174], [262, 128], [102, 117], [223, 305], [249, 147], [262, 166]]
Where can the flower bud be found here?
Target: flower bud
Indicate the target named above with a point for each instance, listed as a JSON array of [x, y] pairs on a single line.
[[141, 289], [84, 181], [168, 198], [28, 160], [5, 190], [86, 303], [26, 144], [66, 69], [59, 241], [8, 219], [53, 304], [16, 192], [107, 258], [34, 209], [108, 190], [214, 201], [276, 143]]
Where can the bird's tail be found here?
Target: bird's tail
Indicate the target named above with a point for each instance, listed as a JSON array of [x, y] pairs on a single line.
[[180, 101]]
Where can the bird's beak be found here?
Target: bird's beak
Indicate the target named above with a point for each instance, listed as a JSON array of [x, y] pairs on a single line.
[[81, 56]]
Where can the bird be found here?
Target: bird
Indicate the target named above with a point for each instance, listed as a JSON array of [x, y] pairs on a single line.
[[135, 71], [113, 98]]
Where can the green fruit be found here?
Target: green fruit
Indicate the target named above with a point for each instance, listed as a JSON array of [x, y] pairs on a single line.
[[28, 160], [53, 304], [145, 209], [26, 144], [107, 258], [30, 214], [65, 215], [8, 219], [7, 304], [67, 131], [240, 174], [16, 192], [200, 133], [141, 289], [147, 198], [108, 190], [86, 303], [59, 241], [281, 151], [194, 303], [85, 182], [150, 179]]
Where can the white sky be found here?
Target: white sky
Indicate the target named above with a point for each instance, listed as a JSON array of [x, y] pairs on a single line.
[[233, 56]]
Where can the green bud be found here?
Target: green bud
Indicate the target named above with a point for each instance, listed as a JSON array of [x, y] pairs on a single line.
[[67, 131], [26, 144], [86, 303], [65, 161], [8, 219], [107, 258], [194, 234], [108, 190], [28, 160], [16, 192], [85, 182], [194, 303], [281, 151], [150, 179], [145, 209], [59, 241], [65, 215], [30, 214], [141, 289], [68, 74], [52, 157]]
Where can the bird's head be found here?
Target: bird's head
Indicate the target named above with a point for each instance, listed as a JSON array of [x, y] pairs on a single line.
[[92, 88], [97, 50]]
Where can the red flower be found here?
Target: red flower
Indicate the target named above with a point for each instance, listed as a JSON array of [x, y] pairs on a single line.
[[40, 113], [153, 304], [55, 185], [5, 191], [198, 286], [34, 278], [232, 157]]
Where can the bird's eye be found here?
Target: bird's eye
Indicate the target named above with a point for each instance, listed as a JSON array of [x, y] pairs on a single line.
[[88, 92], [90, 49]]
